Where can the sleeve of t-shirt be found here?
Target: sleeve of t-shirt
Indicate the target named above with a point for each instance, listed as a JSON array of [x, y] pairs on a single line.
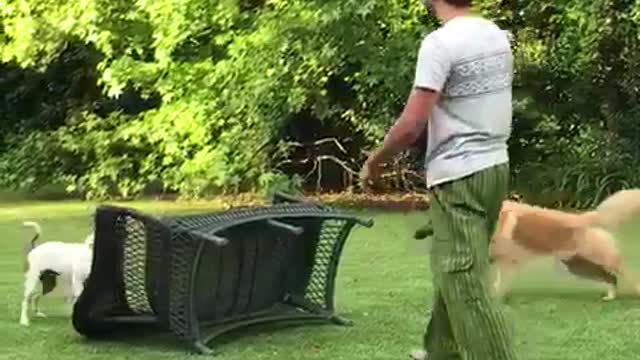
[[433, 66]]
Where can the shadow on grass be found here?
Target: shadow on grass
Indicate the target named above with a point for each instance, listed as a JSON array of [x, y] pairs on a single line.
[[146, 339], [565, 296], [140, 337]]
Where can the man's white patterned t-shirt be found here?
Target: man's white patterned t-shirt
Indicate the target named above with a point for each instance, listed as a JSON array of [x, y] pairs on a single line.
[[469, 61]]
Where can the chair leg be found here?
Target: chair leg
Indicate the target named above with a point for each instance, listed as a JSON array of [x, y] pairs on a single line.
[[338, 320], [202, 349]]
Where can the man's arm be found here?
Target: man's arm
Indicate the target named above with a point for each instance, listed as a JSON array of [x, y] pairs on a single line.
[[408, 126], [432, 71]]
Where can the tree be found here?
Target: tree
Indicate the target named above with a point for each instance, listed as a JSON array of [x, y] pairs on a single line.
[[232, 85]]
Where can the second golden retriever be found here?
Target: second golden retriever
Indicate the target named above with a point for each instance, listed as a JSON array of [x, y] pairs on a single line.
[[583, 242]]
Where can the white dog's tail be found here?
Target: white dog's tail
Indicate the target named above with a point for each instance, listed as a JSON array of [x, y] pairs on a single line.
[[32, 243], [618, 208], [38, 231]]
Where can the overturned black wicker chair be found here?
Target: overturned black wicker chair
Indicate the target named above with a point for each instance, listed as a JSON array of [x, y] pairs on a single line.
[[200, 276]]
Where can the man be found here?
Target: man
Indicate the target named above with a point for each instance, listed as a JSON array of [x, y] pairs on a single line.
[[462, 95]]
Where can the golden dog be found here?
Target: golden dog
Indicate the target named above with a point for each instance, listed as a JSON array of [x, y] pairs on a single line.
[[583, 242]]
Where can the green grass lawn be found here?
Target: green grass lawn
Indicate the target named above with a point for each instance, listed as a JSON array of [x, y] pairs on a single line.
[[383, 285]]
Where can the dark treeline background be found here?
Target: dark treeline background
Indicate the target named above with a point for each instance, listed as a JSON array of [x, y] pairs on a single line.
[[121, 98]]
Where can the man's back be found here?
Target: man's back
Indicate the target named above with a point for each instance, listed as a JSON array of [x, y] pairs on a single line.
[[469, 61]]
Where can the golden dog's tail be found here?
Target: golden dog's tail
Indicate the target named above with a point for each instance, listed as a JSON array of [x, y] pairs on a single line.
[[32, 243], [618, 209]]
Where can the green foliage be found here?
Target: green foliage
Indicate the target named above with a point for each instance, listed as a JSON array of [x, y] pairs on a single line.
[[41, 100], [230, 77], [273, 182], [579, 170], [576, 134], [23, 164], [215, 87]]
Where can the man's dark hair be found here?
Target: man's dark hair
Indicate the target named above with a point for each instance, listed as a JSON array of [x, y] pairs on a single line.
[[459, 3]]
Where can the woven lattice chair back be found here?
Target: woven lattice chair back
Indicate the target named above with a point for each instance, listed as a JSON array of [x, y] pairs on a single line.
[[199, 276]]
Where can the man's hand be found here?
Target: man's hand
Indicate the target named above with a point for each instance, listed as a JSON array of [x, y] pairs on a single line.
[[404, 133], [370, 173]]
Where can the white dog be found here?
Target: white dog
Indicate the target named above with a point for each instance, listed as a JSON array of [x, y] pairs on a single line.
[[45, 263]]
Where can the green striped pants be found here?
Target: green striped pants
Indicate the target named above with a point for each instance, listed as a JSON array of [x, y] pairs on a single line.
[[466, 319]]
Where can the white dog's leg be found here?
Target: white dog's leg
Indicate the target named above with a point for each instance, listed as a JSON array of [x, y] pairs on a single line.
[[36, 306], [30, 283], [66, 281], [68, 290], [76, 288]]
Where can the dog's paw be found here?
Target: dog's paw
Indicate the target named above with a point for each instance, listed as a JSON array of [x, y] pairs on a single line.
[[418, 355], [609, 297], [611, 293], [40, 314], [24, 322]]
